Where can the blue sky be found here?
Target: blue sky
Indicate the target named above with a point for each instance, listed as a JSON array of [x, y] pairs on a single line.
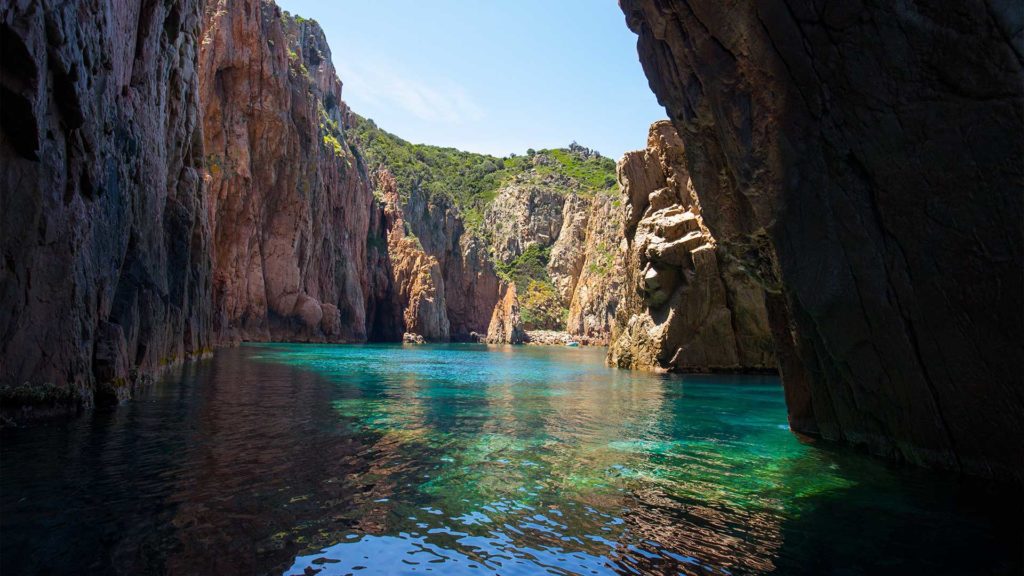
[[493, 76]]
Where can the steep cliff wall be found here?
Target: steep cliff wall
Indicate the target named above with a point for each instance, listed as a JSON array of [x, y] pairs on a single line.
[[685, 305], [865, 161], [525, 219], [105, 275], [598, 287], [416, 275], [291, 206], [560, 243], [506, 327], [527, 211], [470, 284]]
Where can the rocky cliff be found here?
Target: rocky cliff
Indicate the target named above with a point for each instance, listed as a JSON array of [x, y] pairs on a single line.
[[686, 306], [291, 206], [527, 220], [506, 327], [105, 271], [559, 243], [598, 287], [416, 274], [470, 284], [864, 160]]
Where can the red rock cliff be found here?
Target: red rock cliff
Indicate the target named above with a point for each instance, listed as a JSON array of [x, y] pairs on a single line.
[[865, 160], [105, 271], [417, 275], [291, 206]]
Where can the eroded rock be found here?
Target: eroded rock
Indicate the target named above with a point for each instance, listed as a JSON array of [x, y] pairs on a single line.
[[865, 165], [105, 270], [685, 306], [417, 275], [506, 327]]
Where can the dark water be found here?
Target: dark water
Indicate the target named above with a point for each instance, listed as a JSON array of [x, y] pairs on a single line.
[[291, 459]]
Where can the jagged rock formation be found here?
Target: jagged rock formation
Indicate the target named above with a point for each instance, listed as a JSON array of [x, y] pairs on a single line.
[[582, 233], [292, 208], [506, 327], [568, 252], [416, 274], [865, 162], [525, 217], [104, 277], [686, 307], [525, 212], [470, 284], [598, 288]]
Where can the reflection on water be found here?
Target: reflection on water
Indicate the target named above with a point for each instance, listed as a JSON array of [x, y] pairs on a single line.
[[299, 459]]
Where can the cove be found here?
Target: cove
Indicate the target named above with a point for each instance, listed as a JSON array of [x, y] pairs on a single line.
[[468, 459]]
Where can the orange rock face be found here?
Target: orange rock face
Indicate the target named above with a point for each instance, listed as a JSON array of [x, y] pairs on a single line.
[[470, 283], [686, 306], [416, 274], [506, 327], [290, 204]]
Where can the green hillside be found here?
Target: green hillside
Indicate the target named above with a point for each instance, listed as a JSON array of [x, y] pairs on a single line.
[[472, 180]]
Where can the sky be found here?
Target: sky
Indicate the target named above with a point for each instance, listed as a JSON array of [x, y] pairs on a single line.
[[491, 76]]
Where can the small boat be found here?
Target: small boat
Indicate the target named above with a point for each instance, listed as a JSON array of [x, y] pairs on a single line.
[[573, 344]]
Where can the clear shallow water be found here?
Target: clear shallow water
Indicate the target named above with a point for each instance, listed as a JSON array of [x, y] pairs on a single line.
[[299, 459]]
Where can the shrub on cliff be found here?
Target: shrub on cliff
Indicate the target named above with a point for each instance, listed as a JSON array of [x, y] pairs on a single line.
[[541, 307]]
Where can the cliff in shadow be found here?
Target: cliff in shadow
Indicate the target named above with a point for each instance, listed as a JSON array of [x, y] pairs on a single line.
[[105, 274], [864, 162]]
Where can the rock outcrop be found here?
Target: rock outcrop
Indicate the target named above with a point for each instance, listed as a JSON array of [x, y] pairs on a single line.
[[470, 283], [105, 271], [506, 327], [528, 211], [569, 251], [582, 230], [686, 307], [416, 274], [864, 161], [291, 206], [597, 289]]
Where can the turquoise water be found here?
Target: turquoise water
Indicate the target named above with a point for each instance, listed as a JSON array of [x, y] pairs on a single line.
[[461, 459]]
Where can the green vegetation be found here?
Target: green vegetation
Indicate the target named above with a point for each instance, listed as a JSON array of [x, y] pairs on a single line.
[[602, 260], [530, 265], [541, 307], [540, 304], [332, 143], [333, 137], [594, 173], [472, 180]]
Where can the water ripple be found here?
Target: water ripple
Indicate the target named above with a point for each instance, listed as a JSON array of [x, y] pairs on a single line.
[[291, 459]]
